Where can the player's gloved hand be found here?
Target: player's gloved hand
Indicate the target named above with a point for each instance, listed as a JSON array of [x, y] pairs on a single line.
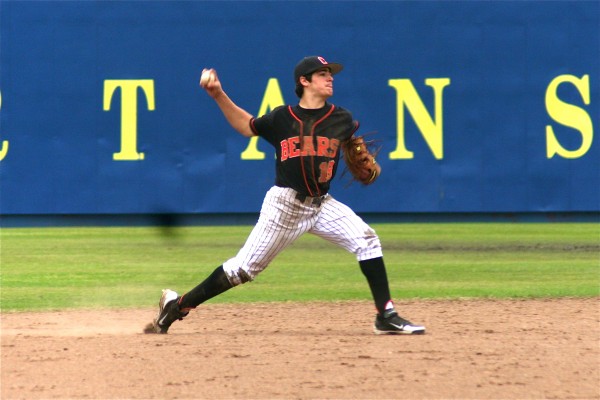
[[360, 160]]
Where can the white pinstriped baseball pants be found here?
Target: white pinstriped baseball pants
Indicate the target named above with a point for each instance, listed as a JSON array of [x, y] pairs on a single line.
[[283, 219]]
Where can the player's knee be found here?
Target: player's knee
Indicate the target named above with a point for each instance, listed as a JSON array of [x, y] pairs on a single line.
[[237, 275], [369, 247]]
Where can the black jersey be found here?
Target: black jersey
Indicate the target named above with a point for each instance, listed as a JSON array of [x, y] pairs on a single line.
[[307, 144]]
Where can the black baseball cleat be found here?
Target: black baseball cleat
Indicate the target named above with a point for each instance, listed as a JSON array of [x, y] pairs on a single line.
[[392, 323], [168, 312]]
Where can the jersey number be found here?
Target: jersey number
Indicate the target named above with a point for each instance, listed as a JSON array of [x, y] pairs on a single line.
[[326, 171]]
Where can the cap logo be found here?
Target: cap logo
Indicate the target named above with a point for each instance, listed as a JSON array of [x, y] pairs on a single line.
[[322, 60]]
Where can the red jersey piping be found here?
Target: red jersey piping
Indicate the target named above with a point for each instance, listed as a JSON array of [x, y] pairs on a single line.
[[312, 131], [301, 163]]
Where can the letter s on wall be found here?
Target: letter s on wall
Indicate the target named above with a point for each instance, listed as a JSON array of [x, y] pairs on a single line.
[[4, 148]]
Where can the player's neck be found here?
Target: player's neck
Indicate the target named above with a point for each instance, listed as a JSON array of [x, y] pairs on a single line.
[[312, 102]]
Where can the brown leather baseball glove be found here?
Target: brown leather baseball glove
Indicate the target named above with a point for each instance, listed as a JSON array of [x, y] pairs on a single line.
[[360, 160]]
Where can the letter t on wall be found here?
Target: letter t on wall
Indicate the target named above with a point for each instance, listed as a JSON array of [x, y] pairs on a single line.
[[128, 112]]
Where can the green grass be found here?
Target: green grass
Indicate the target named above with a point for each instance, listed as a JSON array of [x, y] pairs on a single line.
[[59, 268]]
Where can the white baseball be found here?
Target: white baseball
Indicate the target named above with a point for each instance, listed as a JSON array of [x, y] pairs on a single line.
[[206, 77]]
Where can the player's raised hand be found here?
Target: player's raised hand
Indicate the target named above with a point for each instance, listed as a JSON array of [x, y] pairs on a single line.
[[209, 81]]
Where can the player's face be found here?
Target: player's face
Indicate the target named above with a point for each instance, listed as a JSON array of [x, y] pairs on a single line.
[[322, 82]]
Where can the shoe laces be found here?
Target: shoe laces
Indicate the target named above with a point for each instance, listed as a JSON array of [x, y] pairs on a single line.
[[392, 316]]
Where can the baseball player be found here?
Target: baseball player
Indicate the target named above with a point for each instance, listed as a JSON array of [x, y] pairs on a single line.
[[307, 138]]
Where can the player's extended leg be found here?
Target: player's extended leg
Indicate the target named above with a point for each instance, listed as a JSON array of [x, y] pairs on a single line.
[[173, 307], [282, 220], [267, 239], [340, 225]]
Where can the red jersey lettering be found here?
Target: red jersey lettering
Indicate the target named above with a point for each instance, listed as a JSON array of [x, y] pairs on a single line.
[[285, 151], [308, 147], [293, 143]]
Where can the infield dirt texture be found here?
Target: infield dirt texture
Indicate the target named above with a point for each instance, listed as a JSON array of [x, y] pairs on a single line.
[[473, 349]]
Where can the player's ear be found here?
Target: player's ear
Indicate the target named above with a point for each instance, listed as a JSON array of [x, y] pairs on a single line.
[[303, 81]]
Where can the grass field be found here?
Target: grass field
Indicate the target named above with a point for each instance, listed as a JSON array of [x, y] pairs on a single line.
[[60, 268]]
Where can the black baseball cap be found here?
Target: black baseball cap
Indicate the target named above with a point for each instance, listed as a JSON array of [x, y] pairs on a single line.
[[308, 65]]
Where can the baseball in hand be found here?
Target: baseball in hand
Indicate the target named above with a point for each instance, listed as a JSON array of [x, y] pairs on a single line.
[[206, 77]]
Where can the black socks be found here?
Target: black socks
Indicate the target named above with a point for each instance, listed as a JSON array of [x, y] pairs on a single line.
[[215, 284], [374, 271]]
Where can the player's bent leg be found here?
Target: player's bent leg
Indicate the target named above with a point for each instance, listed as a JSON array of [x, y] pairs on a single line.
[[376, 274], [339, 224], [387, 320]]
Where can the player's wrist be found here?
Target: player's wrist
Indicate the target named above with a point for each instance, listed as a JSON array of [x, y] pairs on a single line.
[[218, 94]]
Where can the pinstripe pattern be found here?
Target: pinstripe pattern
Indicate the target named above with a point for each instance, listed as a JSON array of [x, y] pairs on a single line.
[[338, 224], [283, 219]]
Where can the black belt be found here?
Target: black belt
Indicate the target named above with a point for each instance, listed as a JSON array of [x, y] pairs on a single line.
[[315, 201]]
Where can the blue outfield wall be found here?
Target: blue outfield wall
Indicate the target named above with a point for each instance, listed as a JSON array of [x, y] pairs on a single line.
[[479, 107]]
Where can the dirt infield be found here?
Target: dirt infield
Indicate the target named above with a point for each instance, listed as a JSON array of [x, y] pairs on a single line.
[[473, 349]]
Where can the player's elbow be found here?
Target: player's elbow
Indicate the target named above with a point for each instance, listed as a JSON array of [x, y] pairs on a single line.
[[244, 126], [245, 131]]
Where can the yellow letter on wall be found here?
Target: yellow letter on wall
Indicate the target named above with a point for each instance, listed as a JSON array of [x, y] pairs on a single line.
[[272, 99], [431, 129], [128, 112], [569, 115], [4, 148]]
